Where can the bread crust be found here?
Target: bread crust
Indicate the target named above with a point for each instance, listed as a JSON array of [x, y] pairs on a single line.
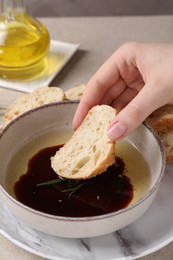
[[161, 120]]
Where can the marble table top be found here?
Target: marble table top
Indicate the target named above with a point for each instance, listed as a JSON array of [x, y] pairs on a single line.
[[98, 38]]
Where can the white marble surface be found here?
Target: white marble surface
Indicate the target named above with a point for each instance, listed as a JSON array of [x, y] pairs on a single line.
[[149, 233]]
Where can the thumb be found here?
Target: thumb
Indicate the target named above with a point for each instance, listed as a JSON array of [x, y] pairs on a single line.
[[130, 117]]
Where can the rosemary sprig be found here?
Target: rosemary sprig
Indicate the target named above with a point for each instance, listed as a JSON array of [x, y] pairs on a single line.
[[72, 184], [74, 189], [51, 182]]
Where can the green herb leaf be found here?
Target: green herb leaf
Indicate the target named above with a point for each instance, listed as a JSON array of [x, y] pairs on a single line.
[[73, 189], [116, 165], [74, 185], [46, 183]]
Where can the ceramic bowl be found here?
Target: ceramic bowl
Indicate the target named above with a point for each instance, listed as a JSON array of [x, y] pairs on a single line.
[[57, 118]]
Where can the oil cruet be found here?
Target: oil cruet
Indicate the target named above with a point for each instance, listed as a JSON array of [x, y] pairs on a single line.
[[24, 41]]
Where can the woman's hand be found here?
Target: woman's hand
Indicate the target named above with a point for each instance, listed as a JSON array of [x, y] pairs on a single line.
[[135, 80]]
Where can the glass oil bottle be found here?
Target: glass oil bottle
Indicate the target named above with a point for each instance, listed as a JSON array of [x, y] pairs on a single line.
[[24, 41]]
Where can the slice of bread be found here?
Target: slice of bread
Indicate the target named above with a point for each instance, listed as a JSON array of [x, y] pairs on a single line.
[[167, 141], [161, 121], [75, 93], [31, 100], [89, 151]]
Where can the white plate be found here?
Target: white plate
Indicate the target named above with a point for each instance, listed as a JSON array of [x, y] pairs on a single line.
[[59, 54], [148, 234]]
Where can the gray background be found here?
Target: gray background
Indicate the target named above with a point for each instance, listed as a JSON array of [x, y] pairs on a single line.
[[59, 8]]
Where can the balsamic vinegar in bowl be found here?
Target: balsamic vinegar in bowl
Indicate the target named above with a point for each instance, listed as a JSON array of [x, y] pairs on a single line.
[[39, 187]]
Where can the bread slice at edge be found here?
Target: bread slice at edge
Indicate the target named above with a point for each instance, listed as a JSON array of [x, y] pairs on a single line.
[[36, 98], [75, 93], [161, 120]]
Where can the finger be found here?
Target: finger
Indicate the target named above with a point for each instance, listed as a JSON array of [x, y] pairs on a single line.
[[96, 89], [129, 118], [90, 98], [105, 97], [80, 114], [122, 100], [107, 76], [113, 92]]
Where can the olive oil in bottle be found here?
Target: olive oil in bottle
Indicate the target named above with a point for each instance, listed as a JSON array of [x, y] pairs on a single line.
[[24, 41]]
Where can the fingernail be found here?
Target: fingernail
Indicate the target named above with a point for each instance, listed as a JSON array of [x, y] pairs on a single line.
[[116, 130]]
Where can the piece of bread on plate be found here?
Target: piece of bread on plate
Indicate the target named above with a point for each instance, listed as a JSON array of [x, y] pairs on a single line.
[[167, 141], [89, 151], [75, 93], [161, 120], [36, 98]]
